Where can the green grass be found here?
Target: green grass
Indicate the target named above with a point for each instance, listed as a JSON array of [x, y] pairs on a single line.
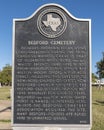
[[98, 109], [5, 121], [5, 93]]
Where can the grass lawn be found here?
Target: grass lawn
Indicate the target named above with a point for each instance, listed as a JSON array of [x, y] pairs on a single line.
[[98, 109], [97, 106], [5, 93]]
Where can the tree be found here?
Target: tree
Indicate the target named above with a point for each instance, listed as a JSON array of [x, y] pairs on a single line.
[[100, 67], [6, 75]]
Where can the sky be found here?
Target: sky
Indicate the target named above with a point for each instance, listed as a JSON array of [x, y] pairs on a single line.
[[85, 9]]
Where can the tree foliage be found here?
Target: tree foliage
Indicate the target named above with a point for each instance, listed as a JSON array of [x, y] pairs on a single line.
[[100, 67], [6, 75]]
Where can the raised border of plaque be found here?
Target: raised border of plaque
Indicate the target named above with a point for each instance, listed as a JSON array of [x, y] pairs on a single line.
[[51, 126]]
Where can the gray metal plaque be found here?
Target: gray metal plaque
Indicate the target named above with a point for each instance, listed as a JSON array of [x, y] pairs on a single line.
[[51, 73]]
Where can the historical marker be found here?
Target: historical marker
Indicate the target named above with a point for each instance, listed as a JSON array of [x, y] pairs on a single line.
[[51, 73]]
